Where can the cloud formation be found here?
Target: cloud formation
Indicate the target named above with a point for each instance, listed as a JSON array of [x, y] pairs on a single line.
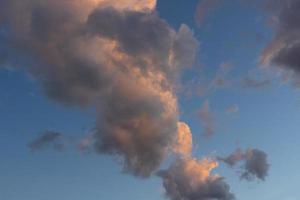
[[118, 57], [255, 164], [191, 179], [284, 48], [49, 139]]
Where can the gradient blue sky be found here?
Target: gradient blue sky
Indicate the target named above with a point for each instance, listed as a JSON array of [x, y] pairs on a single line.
[[268, 119]]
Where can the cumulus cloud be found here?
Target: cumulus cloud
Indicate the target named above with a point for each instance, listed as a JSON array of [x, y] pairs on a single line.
[[120, 58], [284, 48], [49, 139], [191, 179], [207, 119], [255, 164], [117, 56]]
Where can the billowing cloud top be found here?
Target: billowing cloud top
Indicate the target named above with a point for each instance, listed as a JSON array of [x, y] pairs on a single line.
[[117, 56], [184, 143], [120, 58]]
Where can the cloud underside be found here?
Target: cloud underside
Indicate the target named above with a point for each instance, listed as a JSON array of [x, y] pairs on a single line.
[[190, 179]]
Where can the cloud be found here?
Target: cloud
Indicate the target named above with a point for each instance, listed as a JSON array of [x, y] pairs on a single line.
[[49, 139], [190, 179], [234, 158], [207, 119], [233, 109], [118, 57], [255, 163], [85, 144], [121, 59], [184, 143], [284, 48], [204, 8], [252, 83]]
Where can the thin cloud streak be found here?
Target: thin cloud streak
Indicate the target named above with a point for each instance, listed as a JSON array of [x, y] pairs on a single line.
[[48, 140], [207, 119]]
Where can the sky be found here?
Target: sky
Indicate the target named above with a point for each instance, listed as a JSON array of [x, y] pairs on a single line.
[[151, 100]]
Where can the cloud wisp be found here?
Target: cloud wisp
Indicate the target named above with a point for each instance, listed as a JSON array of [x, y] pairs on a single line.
[[252, 83], [233, 109], [207, 119], [47, 140]]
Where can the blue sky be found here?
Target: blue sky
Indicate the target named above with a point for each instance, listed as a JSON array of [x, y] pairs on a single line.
[[267, 119]]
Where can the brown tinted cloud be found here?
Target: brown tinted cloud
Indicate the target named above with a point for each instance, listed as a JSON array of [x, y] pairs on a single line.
[[120, 58]]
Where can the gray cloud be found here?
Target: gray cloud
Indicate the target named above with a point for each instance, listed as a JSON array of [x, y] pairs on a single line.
[[120, 58], [49, 139], [255, 163], [284, 49], [190, 179]]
